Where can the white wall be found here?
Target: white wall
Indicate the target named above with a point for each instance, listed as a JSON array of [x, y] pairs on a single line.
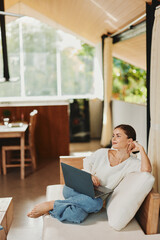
[[132, 114]]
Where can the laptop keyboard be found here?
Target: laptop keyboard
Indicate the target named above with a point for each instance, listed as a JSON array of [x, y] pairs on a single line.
[[97, 192]]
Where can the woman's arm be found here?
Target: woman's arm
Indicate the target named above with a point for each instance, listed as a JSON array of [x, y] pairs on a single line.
[[87, 166], [145, 162]]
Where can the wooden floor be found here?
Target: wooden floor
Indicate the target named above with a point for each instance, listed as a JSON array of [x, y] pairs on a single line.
[[30, 191]]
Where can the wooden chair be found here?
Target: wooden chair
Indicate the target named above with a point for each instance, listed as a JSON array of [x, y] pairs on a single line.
[[147, 215], [31, 161]]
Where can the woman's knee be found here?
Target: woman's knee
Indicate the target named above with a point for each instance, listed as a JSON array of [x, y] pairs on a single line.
[[69, 192], [94, 205], [87, 203], [74, 214]]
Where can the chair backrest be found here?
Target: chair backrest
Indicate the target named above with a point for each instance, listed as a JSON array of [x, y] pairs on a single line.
[[74, 161], [32, 125]]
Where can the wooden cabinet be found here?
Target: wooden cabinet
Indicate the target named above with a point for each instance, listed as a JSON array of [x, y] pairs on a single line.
[[52, 128]]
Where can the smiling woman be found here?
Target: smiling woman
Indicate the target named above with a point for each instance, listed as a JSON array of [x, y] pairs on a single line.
[[107, 167], [124, 137], [120, 133]]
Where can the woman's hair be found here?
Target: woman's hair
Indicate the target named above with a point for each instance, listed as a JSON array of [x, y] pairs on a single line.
[[129, 131]]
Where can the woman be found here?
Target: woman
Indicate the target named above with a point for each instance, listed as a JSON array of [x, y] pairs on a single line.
[[108, 167]]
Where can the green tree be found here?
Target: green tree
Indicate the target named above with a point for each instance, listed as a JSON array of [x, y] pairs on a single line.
[[86, 51], [77, 70], [129, 82], [39, 44]]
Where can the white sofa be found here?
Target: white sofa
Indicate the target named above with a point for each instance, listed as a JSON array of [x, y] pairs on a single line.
[[102, 225]]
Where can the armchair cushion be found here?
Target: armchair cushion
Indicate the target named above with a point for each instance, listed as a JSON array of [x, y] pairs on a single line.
[[127, 197]]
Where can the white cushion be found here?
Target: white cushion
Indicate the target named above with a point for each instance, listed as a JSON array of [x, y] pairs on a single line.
[[127, 197]]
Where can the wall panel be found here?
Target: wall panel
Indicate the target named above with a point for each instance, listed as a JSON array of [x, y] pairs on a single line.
[[52, 129]]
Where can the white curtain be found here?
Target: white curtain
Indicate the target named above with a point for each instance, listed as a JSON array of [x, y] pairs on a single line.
[[154, 136], [107, 122]]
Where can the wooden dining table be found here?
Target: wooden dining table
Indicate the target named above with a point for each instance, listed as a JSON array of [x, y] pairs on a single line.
[[16, 131]]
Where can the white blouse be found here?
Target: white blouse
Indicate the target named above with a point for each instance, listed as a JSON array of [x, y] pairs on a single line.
[[98, 164]]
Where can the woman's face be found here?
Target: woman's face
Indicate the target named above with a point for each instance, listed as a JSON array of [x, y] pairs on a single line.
[[120, 139]]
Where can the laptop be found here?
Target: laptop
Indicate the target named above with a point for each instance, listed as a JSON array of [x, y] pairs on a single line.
[[81, 182]]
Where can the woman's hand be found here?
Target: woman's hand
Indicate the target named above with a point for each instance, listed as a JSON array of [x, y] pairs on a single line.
[[145, 162], [95, 181], [134, 147]]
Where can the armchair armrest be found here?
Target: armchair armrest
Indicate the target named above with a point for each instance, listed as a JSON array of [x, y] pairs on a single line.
[[148, 214]]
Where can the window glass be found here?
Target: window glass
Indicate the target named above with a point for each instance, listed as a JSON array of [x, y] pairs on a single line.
[[77, 60], [45, 61], [129, 82], [11, 89], [1, 60], [39, 48]]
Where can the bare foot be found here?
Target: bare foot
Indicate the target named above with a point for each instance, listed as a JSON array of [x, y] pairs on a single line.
[[41, 209]]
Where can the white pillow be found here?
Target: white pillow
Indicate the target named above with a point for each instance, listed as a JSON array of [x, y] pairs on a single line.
[[127, 197]]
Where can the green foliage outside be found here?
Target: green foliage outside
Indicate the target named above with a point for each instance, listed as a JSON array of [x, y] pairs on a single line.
[[77, 70], [129, 82], [86, 51], [39, 47], [40, 58]]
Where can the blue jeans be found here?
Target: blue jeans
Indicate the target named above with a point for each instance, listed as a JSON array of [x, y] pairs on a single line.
[[76, 206]]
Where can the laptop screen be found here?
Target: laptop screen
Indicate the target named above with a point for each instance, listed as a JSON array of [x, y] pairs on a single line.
[[78, 180]]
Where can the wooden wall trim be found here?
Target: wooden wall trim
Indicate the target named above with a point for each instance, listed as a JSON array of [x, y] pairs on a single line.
[[52, 129]]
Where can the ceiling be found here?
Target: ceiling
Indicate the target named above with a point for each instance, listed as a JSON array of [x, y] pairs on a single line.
[[132, 50], [90, 19]]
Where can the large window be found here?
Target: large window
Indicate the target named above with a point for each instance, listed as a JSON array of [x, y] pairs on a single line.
[[44, 61]]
